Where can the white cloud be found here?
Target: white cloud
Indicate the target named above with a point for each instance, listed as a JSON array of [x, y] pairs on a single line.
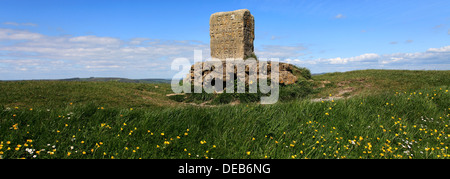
[[11, 23], [37, 52], [339, 16], [445, 49], [362, 58], [138, 41], [432, 58], [300, 62], [10, 34], [273, 37], [391, 60], [20, 24], [94, 40], [280, 51], [89, 47], [29, 24], [31, 55]]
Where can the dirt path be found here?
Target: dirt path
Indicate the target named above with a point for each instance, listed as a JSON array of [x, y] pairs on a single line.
[[343, 93]]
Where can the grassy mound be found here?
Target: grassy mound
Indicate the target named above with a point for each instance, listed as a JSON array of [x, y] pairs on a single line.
[[302, 88]]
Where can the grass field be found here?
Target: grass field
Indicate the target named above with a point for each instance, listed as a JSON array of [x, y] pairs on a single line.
[[358, 114]]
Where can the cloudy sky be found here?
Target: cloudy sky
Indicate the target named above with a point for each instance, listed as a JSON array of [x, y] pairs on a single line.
[[139, 39]]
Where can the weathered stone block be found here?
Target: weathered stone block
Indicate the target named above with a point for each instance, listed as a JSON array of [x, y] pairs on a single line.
[[232, 34]]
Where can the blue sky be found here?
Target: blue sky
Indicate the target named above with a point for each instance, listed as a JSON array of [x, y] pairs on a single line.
[[139, 39]]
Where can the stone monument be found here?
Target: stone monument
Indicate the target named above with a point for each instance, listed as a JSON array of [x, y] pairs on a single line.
[[232, 34]]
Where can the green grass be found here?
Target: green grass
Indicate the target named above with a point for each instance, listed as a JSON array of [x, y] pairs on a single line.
[[368, 82], [57, 94], [406, 121]]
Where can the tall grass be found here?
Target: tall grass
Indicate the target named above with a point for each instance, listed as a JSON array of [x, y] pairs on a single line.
[[410, 124], [400, 114]]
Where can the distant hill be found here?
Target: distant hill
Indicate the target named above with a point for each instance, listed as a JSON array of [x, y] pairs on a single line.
[[126, 80], [155, 80], [315, 74]]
